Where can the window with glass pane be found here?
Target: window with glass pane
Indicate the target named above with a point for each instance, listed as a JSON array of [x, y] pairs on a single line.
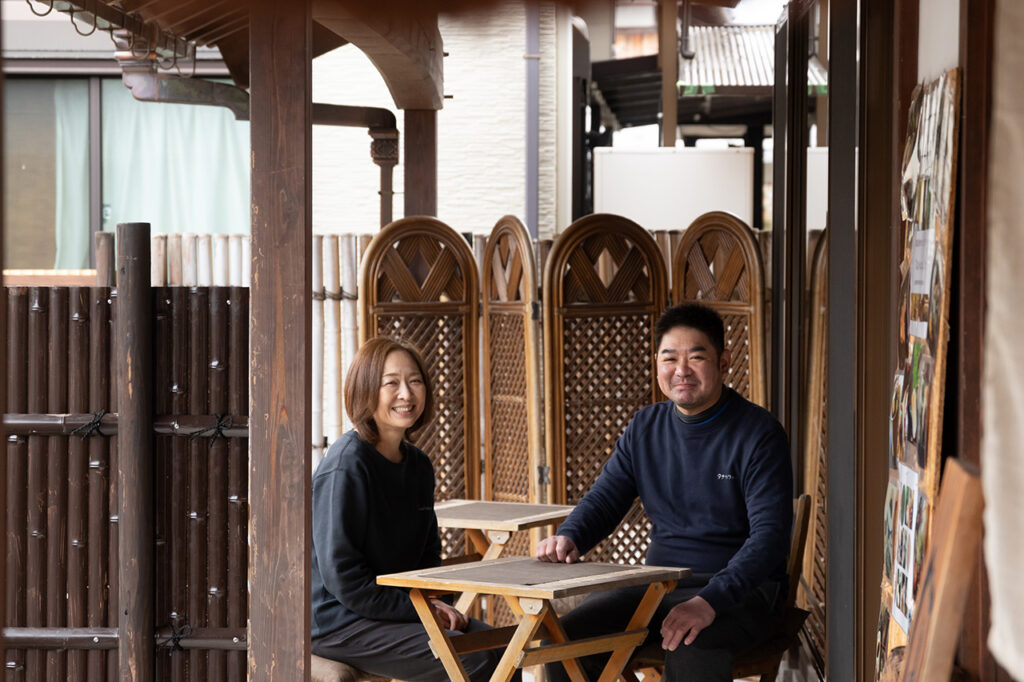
[[46, 168], [179, 167]]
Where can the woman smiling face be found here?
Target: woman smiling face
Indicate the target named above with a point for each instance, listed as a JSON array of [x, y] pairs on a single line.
[[402, 395]]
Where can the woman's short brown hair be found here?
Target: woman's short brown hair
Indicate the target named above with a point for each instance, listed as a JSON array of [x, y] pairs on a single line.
[[362, 386]]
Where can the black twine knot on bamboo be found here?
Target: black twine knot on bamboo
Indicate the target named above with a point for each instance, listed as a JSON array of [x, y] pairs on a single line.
[[92, 427], [216, 431], [178, 634]]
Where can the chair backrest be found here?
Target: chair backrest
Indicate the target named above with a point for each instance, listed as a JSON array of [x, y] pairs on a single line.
[[797, 544]]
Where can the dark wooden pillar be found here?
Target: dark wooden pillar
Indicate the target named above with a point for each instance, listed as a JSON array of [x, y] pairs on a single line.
[[420, 162], [3, 410], [280, 528], [668, 60], [135, 396]]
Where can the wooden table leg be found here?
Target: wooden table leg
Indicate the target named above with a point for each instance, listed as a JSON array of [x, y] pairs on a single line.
[[558, 636], [490, 546], [442, 644], [641, 618], [534, 612]]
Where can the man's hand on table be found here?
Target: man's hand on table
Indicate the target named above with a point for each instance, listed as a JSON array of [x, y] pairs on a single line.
[[450, 618], [558, 549], [685, 621]]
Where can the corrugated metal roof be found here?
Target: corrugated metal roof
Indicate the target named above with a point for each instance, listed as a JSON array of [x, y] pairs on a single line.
[[736, 60]]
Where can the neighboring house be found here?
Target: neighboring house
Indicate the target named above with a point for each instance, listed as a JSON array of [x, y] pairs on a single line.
[[69, 119]]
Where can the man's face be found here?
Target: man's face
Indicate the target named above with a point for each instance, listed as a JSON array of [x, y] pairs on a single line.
[[690, 371]]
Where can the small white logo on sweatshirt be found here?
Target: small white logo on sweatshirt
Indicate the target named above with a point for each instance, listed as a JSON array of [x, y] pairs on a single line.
[[725, 477]]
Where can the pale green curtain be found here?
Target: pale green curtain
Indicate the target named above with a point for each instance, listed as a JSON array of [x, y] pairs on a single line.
[[179, 167], [71, 181]]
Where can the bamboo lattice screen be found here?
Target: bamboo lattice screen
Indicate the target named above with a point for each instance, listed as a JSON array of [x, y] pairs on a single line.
[[718, 263], [604, 288], [511, 386], [419, 284], [812, 594]]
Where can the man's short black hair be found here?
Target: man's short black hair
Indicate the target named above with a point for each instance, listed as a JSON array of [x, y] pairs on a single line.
[[694, 316]]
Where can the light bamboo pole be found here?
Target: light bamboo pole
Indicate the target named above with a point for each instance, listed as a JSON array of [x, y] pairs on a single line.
[[204, 260], [332, 340], [235, 259], [189, 261], [317, 351], [221, 276], [175, 268], [349, 311], [158, 260]]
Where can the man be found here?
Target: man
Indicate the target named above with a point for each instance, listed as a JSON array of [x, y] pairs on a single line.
[[714, 475]]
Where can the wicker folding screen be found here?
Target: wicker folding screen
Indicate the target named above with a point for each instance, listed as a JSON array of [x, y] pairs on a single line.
[[418, 283], [812, 594], [511, 385], [604, 288], [718, 263]]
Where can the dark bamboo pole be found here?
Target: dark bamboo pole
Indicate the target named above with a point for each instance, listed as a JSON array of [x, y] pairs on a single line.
[[237, 511], [113, 504], [57, 481], [35, 559], [162, 354], [135, 454], [99, 483], [78, 471], [280, 518], [216, 577], [17, 474], [179, 472], [198, 473]]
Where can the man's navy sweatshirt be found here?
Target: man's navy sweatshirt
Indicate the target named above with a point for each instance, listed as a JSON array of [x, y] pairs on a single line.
[[718, 493]]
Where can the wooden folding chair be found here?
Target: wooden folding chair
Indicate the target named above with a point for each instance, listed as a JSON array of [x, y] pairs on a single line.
[[761, 661]]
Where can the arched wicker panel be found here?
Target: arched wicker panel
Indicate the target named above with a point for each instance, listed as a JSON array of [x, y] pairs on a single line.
[[511, 386], [718, 263], [604, 288], [811, 596], [418, 283]]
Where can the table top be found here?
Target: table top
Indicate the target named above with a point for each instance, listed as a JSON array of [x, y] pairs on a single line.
[[511, 516], [528, 577]]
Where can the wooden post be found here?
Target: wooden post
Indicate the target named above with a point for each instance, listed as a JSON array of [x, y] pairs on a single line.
[[420, 162], [668, 56], [280, 518], [135, 454]]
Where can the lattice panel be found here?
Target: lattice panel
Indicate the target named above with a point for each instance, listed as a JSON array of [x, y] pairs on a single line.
[[737, 340], [420, 268], [507, 282], [718, 263], [607, 378], [606, 269], [439, 339], [815, 626], [716, 270]]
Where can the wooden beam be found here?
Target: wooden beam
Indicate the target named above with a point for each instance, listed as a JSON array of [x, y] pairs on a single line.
[[420, 162], [668, 56], [135, 453], [280, 527], [404, 44]]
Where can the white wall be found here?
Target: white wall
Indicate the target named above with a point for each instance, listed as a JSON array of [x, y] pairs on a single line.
[[666, 189], [938, 38], [481, 129]]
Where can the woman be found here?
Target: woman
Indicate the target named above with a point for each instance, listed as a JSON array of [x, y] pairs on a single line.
[[373, 513]]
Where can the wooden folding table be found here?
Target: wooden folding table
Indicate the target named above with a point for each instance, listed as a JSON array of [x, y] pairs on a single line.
[[529, 585], [489, 525]]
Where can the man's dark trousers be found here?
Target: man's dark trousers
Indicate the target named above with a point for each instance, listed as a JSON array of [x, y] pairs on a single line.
[[708, 659]]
